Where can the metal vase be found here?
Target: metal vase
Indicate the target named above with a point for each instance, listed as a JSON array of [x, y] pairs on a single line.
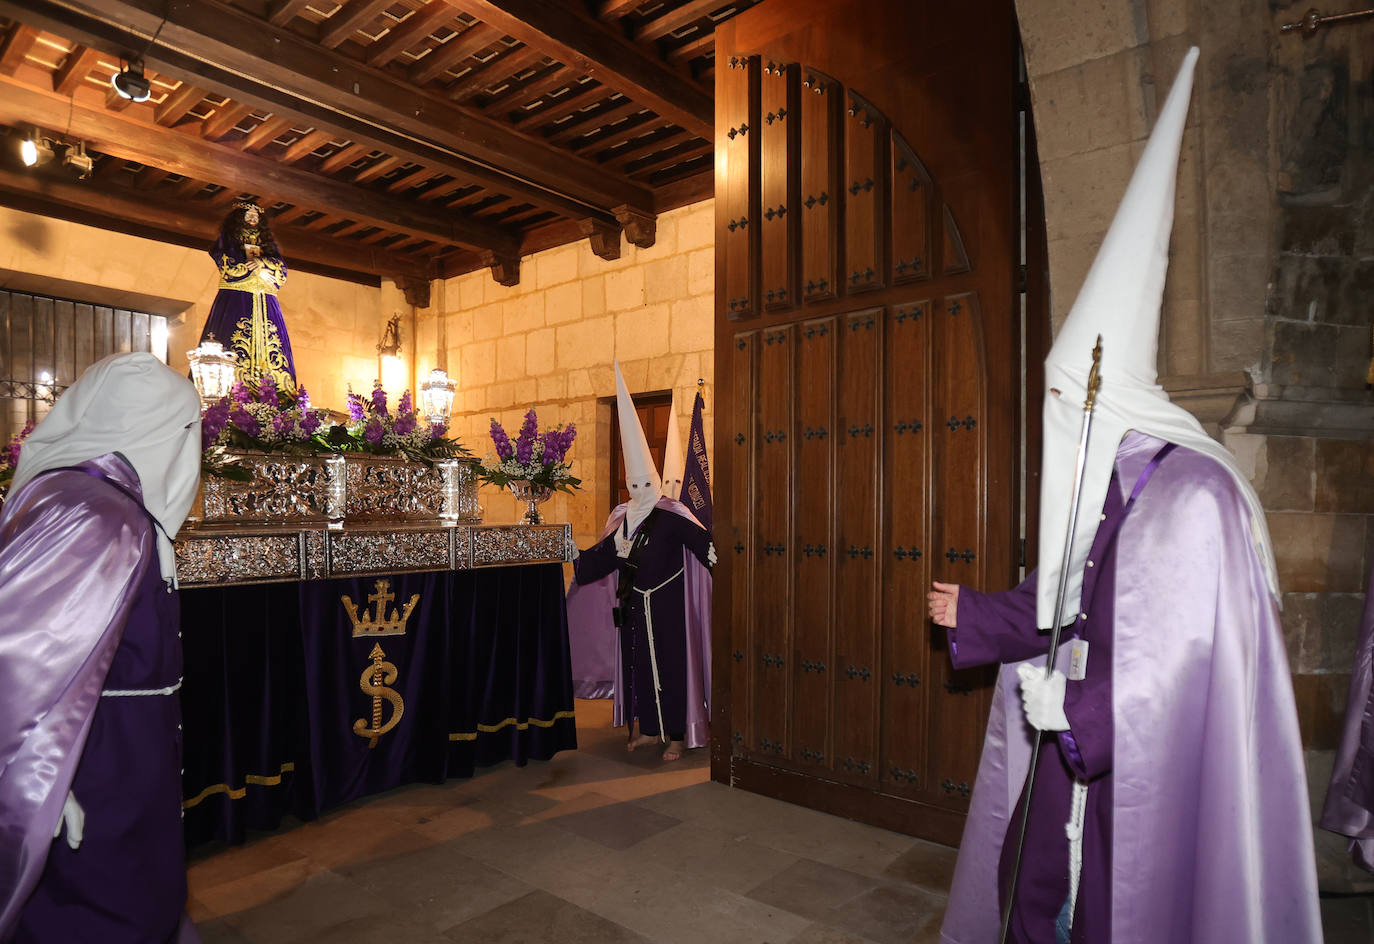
[[533, 496]]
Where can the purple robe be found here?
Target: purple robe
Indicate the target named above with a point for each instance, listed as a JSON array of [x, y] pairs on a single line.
[[246, 317], [88, 612], [1199, 830], [1349, 808], [673, 566]]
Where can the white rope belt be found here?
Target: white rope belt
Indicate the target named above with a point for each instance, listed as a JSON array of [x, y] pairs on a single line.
[[1074, 830], [127, 692], [653, 656]]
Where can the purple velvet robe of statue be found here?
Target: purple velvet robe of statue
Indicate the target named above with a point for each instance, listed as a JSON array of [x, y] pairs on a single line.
[[1210, 831], [86, 611], [246, 317], [681, 612], [1349, 808]]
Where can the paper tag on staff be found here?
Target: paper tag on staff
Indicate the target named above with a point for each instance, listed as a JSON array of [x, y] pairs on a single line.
[[1078, 660]]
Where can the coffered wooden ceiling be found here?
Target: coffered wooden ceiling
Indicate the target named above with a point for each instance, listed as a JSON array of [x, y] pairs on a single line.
[[409, 139]]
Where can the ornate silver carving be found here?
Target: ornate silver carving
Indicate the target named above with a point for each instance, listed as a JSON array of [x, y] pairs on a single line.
[[396, 489], [460, 492], [228, 558], [495, 545], [287, 489], [362, 552], [218, 556]]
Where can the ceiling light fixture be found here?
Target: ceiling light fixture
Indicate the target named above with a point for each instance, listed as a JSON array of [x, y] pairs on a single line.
[[35, 150], [77, 161], [131, 83]]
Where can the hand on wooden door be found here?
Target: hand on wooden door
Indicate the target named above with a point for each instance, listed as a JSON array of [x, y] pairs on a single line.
[[943, 603]]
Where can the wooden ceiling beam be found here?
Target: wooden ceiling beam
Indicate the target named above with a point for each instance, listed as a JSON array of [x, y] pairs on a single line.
[[349, 20], [284, 11], [290, 214], [378, 168], [613, 9], [178, 104], [492, 72], [278, 70], [74, 69], [412, 179], [585, 122], [672, 20], [407, 33], [553, 77], [305, 145], [590, 48], [265, 133], [127, 137], [442, 58], [224, 118], [16, 46], [183, 222], [697, 46], [343, 157], [656, 140], [573, 100]]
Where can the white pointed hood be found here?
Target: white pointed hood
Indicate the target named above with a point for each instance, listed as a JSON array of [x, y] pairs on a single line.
[[1120, 300], [641, 478], [674, 459]]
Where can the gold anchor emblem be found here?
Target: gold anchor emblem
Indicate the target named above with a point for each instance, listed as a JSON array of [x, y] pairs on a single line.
[[379, 673], [374, 681]]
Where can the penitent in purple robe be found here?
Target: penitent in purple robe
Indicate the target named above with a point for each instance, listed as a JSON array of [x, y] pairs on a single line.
[[1197, 826], [1349, 807], [246, 317], [88, 617], [673, 572]]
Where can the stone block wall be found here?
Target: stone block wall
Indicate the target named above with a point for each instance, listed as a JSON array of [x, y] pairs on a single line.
[[549, 343]]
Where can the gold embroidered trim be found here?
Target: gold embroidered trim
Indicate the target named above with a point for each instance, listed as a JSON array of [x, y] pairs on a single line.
[[258, 345], [238, 793], [519, 725]]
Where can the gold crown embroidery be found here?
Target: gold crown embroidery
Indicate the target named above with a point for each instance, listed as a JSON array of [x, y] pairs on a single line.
[[379, 622]]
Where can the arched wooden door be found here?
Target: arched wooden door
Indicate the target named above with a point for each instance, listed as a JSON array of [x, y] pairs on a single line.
[[870, 388]]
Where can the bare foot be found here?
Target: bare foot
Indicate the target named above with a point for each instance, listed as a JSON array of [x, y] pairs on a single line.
[[640, 740], [673, 751]]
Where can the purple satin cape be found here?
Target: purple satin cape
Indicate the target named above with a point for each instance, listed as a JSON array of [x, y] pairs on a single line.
[[595, 648], [72, 553], [1211, 834], [1349, 808]]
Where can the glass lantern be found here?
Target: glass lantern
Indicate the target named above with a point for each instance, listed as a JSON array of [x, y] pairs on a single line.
[[436, 397], [212, 369]]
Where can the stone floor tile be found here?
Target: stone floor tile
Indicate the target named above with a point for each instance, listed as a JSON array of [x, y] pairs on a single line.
[[437, 887], [1348, 919], [891, 915], [539, 917], [355, 834], [617, 826], [216, 931], [258, 888], [927, 865], [374, 928], [216, 864], [323, 901], [811, 889], [726, 860], [826, 934]]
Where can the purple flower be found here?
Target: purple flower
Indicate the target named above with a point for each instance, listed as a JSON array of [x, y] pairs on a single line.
[[405, 423], [374, 430], [504, 449], [283, 424], [214, 421], [16, 441], [302, 398], [437, 431], [379, 399], [356, 410], [310, 421], [566, 438], [240, 393], [267, 388], [245, 421], [407, 405], [524, 444]]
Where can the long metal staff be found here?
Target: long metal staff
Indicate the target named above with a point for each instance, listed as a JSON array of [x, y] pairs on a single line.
[[1094, 382]]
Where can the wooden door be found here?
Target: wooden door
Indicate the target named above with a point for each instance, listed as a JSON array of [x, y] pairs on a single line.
[[869, 363]]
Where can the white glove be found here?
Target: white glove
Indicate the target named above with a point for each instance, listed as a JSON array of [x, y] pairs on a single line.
[[711, 554], [1043, 698], [576, 553], [75, 819]]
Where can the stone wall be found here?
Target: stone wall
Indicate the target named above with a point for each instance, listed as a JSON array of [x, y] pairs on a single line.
[[334, 325], [549, 343], [1270, 298]]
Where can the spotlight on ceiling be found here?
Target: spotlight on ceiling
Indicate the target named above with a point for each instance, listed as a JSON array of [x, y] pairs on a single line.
[[35, 150], [77, 161], [131, 83]]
